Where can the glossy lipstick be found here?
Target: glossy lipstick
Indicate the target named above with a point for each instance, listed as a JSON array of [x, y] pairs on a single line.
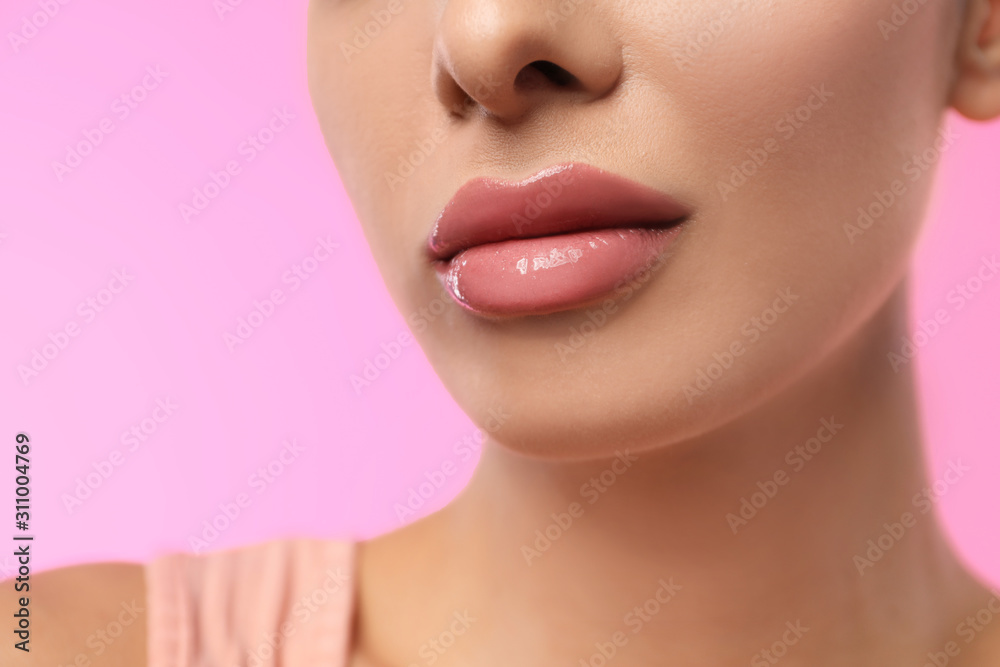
[[555, 241]]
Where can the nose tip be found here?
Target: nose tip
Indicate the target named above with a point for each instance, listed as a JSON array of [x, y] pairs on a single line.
[[508, 57]]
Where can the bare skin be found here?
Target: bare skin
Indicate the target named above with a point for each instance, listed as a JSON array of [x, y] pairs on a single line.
[[843, 564], [664, 518], [75, 612]]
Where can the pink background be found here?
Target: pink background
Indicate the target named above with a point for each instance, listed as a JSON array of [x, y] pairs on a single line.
[[162, 336]]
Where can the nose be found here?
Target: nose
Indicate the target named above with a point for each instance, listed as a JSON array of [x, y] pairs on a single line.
[[507, 57]]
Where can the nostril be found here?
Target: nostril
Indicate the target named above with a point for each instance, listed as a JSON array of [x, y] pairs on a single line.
[[555, 73], [536, 74]]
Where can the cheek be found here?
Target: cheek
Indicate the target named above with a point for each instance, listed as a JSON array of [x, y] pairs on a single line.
[[801, 105], [794, 121], [796, 126], [373, 101]]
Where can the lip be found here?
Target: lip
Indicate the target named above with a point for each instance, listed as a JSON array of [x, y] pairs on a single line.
[[554, 241]]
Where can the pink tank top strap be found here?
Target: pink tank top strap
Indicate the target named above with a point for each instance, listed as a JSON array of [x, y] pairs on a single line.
[[281, 603]]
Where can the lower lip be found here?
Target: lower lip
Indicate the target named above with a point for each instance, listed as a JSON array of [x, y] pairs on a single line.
[[553, 273]]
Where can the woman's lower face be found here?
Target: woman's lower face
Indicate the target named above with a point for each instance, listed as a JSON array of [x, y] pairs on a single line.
[[799, 141]]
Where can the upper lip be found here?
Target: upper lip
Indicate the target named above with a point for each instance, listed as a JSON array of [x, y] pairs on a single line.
[[558, 200]]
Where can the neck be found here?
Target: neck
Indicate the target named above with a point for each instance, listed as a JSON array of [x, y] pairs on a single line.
[[800, 532]]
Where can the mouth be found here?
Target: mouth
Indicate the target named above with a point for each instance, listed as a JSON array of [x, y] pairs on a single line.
[[555, 241]]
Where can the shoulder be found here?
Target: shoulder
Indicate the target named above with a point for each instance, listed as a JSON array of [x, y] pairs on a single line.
[[251, 573], [184, 609], [85, 614], [289, 600]]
